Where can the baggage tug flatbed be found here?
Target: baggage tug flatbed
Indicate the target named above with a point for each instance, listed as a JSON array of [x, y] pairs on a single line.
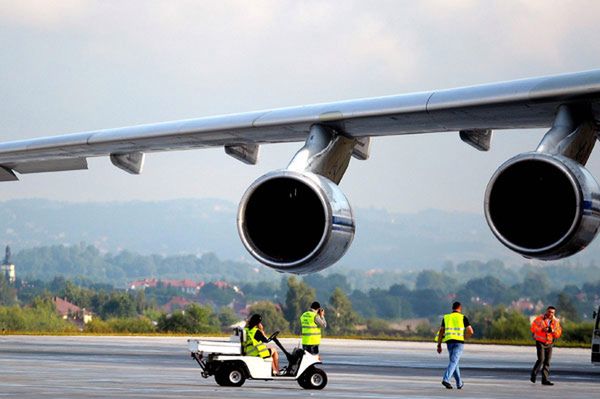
[[226, 361]]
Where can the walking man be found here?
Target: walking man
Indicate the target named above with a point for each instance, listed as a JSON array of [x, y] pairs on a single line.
[[455, 328], [312, 321], [545, 329]]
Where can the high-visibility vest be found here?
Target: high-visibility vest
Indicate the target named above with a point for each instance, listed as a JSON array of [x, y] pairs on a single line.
[[252, 347], [454, 326], [540, 324], [311, 332]]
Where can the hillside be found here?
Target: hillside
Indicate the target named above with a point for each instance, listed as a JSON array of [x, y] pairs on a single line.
[[384, 240]]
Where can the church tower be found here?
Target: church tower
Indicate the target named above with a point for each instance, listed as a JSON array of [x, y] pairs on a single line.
[[7, 268]]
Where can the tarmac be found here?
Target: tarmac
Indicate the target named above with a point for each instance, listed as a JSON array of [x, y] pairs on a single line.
[[161, 367]]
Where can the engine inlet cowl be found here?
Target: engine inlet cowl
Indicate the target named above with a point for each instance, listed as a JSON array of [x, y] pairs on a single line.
[[543, 206], [295, 222]]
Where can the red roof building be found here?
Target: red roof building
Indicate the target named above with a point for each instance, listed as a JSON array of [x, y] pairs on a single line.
[[69, 311]]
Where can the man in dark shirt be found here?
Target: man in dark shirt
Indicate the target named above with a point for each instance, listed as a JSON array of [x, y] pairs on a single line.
[[467, 324], [453, 331]]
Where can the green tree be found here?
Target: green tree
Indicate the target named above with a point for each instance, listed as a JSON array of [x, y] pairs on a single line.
[[119, 304], [227, 317], [324, 285], [535, 285], [432, 280], [218, 296], [195, 319], [136, 325], [132, 325], [363, 303], [341, 317], [297, 300], [40, 317], [75, 294], [499, 323], [8, 295], [141, 303], [424, 330], [577, 332], [567, 308], [397, 302], [511, 325], [378, 327], [481, 318], [488, 289], [272, 316], [428, 302]]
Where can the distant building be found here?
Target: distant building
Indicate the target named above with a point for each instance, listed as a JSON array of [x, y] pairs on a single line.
[[9, 273], [187, 285], [7, 268], [176, 303], [222, 284], [71, 312], [525, 305], [143, 284]]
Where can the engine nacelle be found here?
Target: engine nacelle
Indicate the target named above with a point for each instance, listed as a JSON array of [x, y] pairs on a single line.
[[295, 222], [543, 206]]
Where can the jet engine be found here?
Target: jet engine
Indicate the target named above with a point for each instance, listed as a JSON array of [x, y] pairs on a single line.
[[543, 206], [297, 222]]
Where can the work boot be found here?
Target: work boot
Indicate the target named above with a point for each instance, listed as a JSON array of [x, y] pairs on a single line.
[[547, 382], [532, 379], [447, 385]]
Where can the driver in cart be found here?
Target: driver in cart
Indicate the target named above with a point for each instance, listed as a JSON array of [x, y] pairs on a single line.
[[256, 339]]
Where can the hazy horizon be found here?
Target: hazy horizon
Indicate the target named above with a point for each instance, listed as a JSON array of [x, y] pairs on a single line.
[[78, 65]]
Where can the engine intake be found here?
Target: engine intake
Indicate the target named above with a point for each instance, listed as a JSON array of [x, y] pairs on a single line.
[[543, 206], [295, 222]]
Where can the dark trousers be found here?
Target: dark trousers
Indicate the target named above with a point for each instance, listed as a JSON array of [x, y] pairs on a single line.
[[313, 349], [544, 354]]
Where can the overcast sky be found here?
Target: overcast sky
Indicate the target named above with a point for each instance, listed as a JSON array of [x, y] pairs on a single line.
[[80, 65]]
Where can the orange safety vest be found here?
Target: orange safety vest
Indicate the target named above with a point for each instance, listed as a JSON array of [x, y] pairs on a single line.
[[538, 330]]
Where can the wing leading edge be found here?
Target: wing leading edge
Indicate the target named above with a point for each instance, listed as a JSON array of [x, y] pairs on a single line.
[[525, 103]]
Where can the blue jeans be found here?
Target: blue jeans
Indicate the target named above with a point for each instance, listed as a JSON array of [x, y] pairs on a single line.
[[454, 352]]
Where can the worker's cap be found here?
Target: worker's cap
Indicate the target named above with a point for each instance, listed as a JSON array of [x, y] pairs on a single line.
[[255, 320]]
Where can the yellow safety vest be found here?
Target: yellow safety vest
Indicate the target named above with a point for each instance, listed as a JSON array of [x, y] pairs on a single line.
[[311, 332], [252, 347], [454, 326]]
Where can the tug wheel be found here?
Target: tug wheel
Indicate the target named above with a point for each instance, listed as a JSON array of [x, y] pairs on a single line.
[[230, 376], [313, 378]]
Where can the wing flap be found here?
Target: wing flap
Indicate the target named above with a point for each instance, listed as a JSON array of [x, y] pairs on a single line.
[[55, 165]]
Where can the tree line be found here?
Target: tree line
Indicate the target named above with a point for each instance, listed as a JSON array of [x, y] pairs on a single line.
[[119, 311], [499, 299], [81, 262]]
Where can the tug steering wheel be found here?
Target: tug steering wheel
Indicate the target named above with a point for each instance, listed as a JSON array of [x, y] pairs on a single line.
[[273, 336]]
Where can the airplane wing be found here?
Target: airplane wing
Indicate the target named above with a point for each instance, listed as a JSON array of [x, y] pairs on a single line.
[[526, 103]]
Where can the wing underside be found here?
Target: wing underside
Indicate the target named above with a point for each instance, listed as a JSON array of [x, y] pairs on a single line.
[[526, 103]]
